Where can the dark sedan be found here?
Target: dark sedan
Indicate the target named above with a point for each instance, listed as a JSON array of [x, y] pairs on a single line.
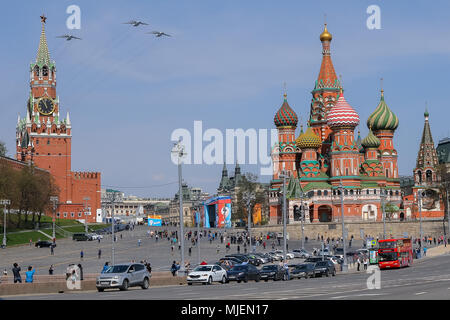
[[244, 273], [305, 270], [273, 272], [41, 244]]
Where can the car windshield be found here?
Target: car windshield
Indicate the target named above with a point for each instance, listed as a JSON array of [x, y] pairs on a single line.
[[301, 267], [117, 269], [239, 268], [387, 256], [269, 268], [203, 268], [386, 244]]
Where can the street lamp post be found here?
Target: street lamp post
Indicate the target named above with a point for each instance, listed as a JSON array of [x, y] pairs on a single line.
[[5, 202], [302, 218], [284, 175], [344, 265], [54, 200], [248, 197], [178, 151], [383, 197], [86, 199], [419, 199], [112, 199]]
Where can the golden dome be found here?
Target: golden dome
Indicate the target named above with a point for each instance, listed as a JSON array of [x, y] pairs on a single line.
[[309, 140], [325, 35]]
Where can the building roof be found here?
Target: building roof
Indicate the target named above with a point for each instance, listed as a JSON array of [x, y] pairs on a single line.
[[342, 114], [382, 118], [309, 140], [371, 141], [427, 156], [285, 116]]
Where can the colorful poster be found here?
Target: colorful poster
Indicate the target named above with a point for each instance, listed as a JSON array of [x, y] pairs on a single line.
[[154, 221], [257, 214], [226, 212]]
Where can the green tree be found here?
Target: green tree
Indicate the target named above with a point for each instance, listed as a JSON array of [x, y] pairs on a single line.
[[249, 183], [3, 149]]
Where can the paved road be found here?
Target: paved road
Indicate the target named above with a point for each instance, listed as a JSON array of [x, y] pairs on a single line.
[[126, 249], [426, 279]]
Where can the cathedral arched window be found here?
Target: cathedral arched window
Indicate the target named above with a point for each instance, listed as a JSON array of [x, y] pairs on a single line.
[[429, 176], [319, 192], [325, 192], [45, 71], [346, 192]]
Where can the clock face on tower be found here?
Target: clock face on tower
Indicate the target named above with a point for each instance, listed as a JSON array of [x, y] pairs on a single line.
[[46, 106]]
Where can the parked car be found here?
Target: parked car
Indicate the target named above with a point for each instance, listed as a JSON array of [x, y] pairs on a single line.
[[95, 236], [239, 257], [325, 267], [81, 237], [301, 253], [275, 256], [313, 259], [254, 260], [231, 260], [263, 258], [280, 235], [44, 244], [289, 255], [207, 274], [244, 273], [339, 252], [272, 271], [123, 276], [305, 270]]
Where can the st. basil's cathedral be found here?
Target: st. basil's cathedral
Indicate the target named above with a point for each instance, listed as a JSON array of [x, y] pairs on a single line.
[[327, 155]]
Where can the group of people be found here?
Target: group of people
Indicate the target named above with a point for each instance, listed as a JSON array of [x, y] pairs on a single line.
[[29, 274]]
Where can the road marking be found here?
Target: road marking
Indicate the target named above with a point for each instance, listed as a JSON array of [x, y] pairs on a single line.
[[419, 293]]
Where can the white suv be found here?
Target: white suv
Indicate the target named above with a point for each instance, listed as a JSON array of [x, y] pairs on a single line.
[[207, 274]]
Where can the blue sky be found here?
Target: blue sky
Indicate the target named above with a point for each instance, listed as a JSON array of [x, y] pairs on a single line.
[[225, 65]]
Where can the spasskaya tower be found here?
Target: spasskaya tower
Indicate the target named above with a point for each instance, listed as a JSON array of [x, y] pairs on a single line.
[[44, 139]]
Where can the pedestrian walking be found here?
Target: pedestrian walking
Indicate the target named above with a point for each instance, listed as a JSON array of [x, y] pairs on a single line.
[[16, 273], [218, 249], [52, 250], [105, 267], [238, 249], [190, 250], [31, 242], [50, 270], [99, 253], [81, 254], [139, 242], [358, 262], [30, 274], [173, 268], [366, 262]]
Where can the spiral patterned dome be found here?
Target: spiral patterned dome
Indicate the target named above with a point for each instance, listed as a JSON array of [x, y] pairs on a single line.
[[309, 140], [342, 114], [371, 141], [382, 118], [285, 115]]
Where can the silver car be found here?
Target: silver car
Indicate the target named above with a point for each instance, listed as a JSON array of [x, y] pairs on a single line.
[[123, 276]]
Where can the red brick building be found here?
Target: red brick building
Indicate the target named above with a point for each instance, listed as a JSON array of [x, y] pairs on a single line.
[[44, 138]]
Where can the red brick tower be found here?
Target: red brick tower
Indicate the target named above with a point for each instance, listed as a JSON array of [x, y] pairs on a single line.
[[325, 94], [44, 139]]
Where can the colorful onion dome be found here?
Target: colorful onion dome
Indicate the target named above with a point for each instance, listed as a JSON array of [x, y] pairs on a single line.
[[309, 140], [285, 115], [342, 114], [371, 141], [325, 35], [382, 118]]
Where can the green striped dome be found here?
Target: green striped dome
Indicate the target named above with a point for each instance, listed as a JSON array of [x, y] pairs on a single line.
[[382, 118], [371, 141]]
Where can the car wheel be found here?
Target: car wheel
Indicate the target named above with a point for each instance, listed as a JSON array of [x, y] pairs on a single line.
[[266, 280], [246, 279], [124, 285], [239, 281], [189, 283], [100, 289], [209, 280], [145, 284], [327, 274], [258, 278], [334, 273], [224, 280]]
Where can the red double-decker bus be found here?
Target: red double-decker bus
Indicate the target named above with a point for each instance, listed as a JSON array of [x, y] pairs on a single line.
[[395, 253]]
